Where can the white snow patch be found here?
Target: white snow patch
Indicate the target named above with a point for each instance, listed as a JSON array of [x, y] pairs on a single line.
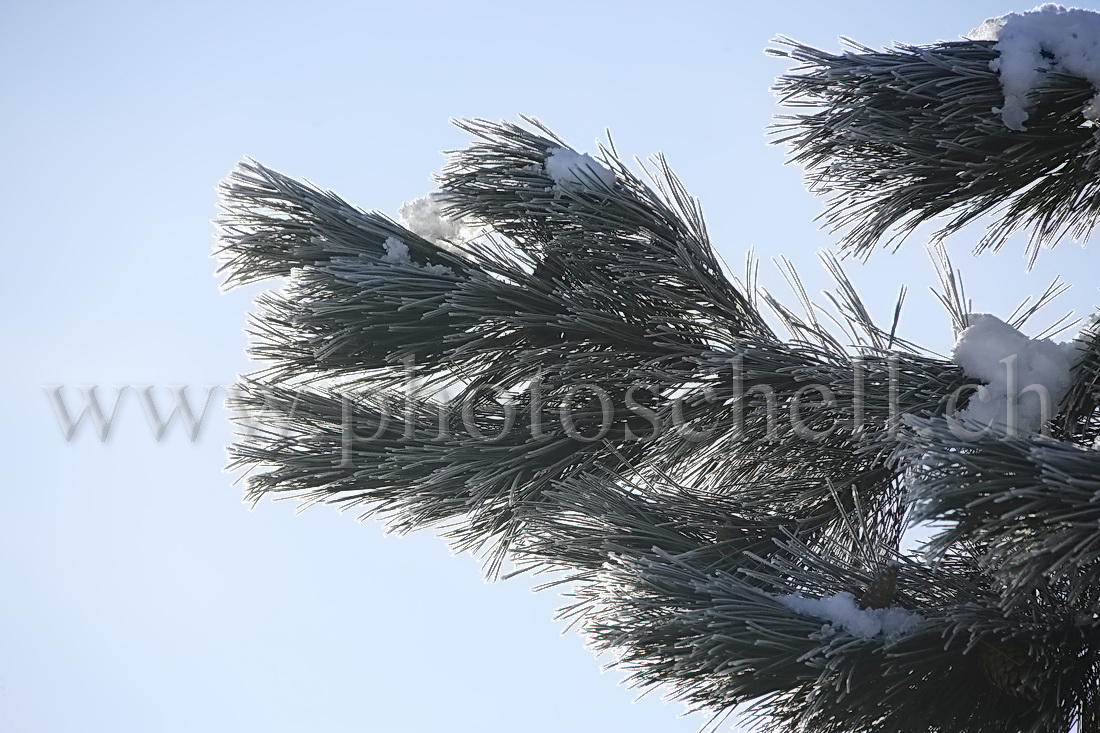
[[570, 168], [397, 253], [425, 216], [1042, 372], [1048, 38], [841, 611]]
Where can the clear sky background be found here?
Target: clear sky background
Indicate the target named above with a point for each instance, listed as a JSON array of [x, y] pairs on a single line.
[[137, 593]]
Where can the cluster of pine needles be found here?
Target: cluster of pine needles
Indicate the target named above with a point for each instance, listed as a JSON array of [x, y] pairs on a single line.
[[678, 528]]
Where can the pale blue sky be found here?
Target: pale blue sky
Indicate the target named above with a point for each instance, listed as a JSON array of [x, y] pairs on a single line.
[[137, 592]]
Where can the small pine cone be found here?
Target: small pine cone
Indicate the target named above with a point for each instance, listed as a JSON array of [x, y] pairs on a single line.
[[1008, 667], [880, 593]]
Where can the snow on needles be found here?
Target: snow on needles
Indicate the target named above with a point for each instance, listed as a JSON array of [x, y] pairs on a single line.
[[1048, 38], [1016, 371], [426, 216], [841, 611], [397, 253], [570, 168]]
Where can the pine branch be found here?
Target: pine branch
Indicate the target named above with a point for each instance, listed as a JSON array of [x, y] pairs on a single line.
[[649, 243], [757, 470], [718, 638], [897, 137], [354, 315], [1030, 504]]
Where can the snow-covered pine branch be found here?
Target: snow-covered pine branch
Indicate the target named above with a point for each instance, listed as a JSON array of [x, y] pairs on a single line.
[[897, 137], [726, 540]]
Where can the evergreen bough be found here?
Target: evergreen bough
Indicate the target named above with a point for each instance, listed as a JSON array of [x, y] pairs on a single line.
[[684, 527], [898, 137]]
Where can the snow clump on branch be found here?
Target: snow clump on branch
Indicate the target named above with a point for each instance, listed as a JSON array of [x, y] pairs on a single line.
[[1049, 38], [570, 168], [1020, 374], [841, 611], [427, 217], [397, 253]]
